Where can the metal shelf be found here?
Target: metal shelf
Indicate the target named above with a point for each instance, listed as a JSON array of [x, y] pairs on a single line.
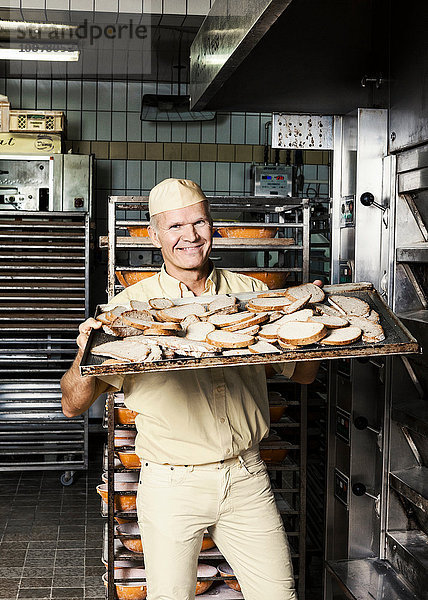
[[361, 579], [412, 484], [408, 554]]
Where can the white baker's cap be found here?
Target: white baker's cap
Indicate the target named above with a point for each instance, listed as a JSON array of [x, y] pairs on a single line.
[[171, 194]]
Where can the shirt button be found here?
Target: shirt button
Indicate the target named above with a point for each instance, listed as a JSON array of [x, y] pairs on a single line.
[[220, 388], [222, 420], [228, 451]]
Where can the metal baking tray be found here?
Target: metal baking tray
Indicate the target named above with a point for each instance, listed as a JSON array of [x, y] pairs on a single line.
[[398, 340]]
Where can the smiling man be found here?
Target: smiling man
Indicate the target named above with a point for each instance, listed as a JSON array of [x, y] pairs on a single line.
[[198, 430]]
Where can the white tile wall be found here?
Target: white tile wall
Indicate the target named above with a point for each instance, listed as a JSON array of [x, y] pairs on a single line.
[[57, 4], [198, 7], [174, 7], [131, 6], [118, 127]]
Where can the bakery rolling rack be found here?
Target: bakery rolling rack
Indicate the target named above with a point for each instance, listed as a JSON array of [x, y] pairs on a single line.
[[44, 268], [287, 252]]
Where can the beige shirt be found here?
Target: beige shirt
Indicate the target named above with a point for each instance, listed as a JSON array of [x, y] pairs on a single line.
[[201, 415]]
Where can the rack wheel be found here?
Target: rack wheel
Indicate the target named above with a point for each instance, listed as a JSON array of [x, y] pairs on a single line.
[[67, 478]]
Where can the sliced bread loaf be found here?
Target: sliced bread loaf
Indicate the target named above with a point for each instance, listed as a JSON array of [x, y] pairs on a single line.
[[199, 331], [119, 328], [237, 352], [349, 306], [228, 339], [178, 313], [300, 291], [342, 336], [262, 347], [301, 334]]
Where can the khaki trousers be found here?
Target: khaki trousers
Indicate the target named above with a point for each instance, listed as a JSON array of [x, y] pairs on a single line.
[[234, 500]]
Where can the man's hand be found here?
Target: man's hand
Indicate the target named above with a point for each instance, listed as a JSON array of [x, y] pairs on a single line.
[[84, 331]]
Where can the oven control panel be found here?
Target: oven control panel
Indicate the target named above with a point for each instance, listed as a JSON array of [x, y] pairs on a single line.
[[341, 487], [343, 425], [272, 180]]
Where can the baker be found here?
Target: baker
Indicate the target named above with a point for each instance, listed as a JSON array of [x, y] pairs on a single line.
[[198, 430]]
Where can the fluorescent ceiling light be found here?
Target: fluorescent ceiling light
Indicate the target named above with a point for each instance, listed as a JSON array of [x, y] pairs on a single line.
[[45, 55]]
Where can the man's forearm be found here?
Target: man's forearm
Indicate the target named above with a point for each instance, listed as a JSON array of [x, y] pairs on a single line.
[[305, 371], [78, 393]]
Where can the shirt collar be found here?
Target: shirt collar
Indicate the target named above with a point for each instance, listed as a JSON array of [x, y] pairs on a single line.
[[173, 288]]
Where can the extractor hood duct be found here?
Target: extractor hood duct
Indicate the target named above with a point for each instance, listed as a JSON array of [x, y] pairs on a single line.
[[298, 56]]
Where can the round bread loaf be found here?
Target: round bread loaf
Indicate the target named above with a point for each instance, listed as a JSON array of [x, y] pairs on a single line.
[[342, 336]]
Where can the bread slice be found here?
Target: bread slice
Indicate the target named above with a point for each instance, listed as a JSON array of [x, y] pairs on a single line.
[[129, 351], [161, 303], [372, 332], [139, 305], [300, 291], [296, 305], [301, 334], [253, 330], [159, 331], [349, 306], [150, 324], [237, 352], [270, 331], [225, 310], [342, 336], [188, 321], [326, 309], [258, 319], [114, 361], [262, 347], [329, 321], [286, 346], [178, 313], [199, 331], [221, 302], [183, 346], [274, 316], [373, 316], [106, 318], [272, 294], [269, 304], [119, 328], [228, 320], [228, 339]]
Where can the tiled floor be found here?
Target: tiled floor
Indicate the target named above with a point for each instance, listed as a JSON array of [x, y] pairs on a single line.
[[50, 535]]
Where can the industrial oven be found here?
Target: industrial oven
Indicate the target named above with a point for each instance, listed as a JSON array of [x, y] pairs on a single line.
[[45, 204]]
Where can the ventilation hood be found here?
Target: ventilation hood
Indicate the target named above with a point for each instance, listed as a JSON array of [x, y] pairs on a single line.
[[295, 55]]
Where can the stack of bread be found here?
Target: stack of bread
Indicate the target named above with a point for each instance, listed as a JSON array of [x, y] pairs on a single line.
[[269, 323]]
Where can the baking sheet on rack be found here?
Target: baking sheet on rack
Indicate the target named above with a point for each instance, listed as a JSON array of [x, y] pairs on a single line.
[[398, 340]]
